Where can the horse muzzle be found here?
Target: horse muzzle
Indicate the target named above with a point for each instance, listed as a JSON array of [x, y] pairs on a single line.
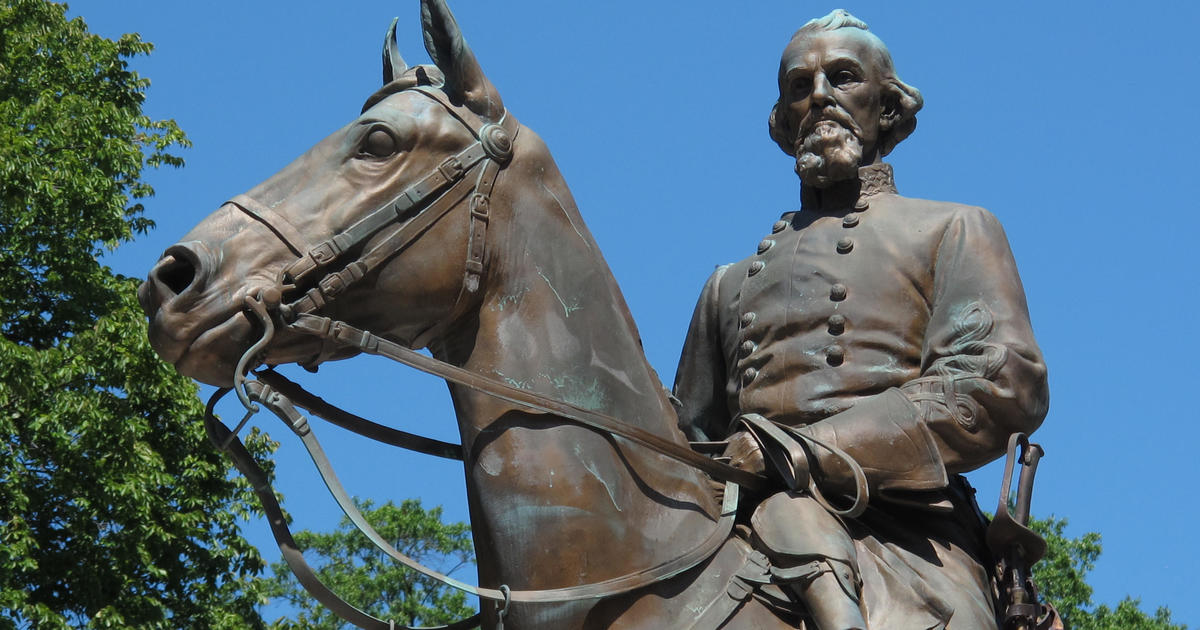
[[196, 317]]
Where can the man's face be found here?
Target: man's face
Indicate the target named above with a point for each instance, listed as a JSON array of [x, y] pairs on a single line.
[[835, 77]]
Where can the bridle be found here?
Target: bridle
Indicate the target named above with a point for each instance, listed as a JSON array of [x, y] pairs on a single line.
[[322, 269], [423, 203]]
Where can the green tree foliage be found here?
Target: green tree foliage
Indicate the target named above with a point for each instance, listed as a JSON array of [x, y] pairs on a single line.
[[114, 510], [1062, 574], [354, 569], [72, 146]]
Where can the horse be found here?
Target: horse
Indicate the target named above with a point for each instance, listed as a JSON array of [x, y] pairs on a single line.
[[442, 223]]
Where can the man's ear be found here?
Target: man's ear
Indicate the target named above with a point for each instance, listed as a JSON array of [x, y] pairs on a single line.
[[891, 110], [781, 132], [901, 102]]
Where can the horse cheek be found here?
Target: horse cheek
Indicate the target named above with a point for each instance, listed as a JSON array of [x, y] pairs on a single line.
[[427, 278]]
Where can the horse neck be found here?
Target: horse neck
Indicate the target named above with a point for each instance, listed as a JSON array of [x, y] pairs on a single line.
[[543, 490], [553, 319]]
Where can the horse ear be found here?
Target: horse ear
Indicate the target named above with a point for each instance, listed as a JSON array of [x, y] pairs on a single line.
[[393, 63], [465, 81]]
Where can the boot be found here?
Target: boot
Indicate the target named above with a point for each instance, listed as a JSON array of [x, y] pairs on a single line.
[[830, 592]]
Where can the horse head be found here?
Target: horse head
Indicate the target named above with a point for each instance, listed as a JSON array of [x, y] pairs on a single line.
[[332, 228]]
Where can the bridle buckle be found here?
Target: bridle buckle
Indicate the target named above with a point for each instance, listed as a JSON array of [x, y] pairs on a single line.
[[323, 253], [451, 168], [480, 206]]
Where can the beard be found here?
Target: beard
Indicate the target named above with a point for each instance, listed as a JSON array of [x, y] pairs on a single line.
[[828, 153]]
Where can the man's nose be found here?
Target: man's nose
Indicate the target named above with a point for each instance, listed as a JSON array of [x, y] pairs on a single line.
[[822, 92]]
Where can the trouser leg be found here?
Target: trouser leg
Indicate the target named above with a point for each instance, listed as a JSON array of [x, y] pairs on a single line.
[[813, 556]]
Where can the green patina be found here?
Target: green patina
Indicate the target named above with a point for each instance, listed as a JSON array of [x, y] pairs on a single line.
[[512, 381], [567, 308], [510, 299], [584, 393]]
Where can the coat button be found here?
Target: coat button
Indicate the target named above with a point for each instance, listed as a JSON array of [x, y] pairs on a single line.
[[748, 318], [756, 267], [778, 227], [862, 204], [850, 220], [749, 375], [837, 324], [765, 244], [748, 347], [837, 292], [844, 245], [834, 355]]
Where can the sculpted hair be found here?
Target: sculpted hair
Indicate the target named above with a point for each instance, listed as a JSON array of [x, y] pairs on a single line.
[[838, 18], [901, 101]]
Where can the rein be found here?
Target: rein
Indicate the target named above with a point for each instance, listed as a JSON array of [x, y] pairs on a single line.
[[283, 408]]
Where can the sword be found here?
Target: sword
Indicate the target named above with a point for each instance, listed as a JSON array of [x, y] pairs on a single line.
[[1019, 547]]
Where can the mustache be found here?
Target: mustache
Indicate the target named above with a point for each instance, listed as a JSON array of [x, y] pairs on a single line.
[[831, 113]]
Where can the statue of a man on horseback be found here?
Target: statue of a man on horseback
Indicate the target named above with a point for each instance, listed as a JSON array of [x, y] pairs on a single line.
[[874, 348], [888, 337]]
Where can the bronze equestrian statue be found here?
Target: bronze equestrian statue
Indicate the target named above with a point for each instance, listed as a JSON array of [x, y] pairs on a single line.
[[436, 220], [893, 329]]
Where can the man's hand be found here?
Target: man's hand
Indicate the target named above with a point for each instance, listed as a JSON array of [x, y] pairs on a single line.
[[788, 456], [744, 453]]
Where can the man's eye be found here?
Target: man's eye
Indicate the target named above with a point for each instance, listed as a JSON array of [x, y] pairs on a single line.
[[801, 84], [379, 143], [843, 77]]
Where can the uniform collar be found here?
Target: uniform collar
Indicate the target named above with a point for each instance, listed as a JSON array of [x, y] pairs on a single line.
[[873, 179]]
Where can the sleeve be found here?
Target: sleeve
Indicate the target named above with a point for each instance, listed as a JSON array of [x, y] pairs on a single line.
[[700, 379], [982, 375]]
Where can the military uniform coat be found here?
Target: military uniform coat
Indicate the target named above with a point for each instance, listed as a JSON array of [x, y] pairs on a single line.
[[894, 328]]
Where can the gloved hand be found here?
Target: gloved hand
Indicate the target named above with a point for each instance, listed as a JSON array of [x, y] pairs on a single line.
[[744, 452]]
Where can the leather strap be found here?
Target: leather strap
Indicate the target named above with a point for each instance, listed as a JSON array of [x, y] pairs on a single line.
[[378, 432], [480, 207], [364, 341], [220, 435], [786, 447], [453, 172], [281, 407], [786, 454], [755, 571], [335, 284], [277, 223], [469, 119], [453, 169]]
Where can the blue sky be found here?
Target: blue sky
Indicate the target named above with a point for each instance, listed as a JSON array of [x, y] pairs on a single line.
[[1074, 125]]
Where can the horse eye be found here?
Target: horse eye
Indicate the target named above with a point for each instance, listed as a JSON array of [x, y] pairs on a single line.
[[379, 143]]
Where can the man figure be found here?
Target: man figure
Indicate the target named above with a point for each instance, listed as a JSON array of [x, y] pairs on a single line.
[[893, 329]]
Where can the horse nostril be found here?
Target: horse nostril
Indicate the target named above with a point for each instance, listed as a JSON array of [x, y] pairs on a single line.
[[175, 273], [179, 270]]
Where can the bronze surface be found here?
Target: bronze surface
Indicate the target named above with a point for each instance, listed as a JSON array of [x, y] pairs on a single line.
[[893, 329]]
